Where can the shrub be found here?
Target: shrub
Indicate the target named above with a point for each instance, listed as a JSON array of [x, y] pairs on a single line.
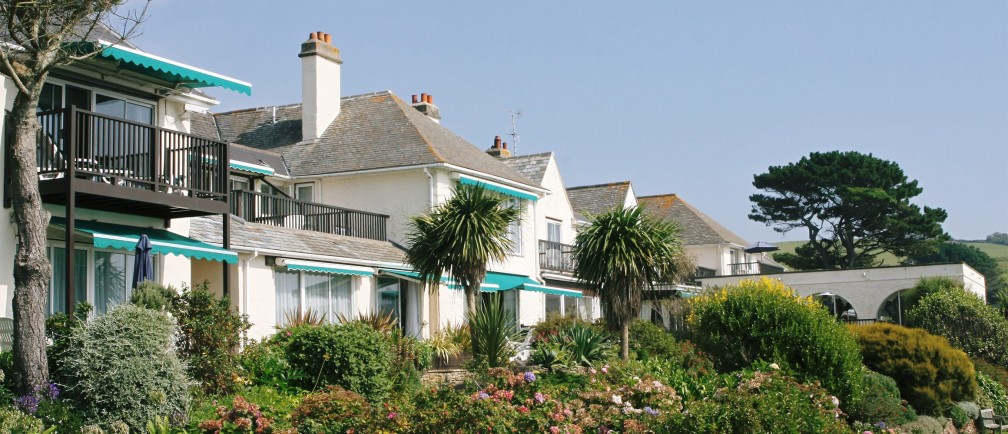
[[586, 345], [493, 333], [958, 416], [243, 417], [153, 295], [994, 371], [648, 340], [209, 338], [765, 320], [265, 364], [16, 422], [880, 402], [761, 402], [924, 425], [333, 410], [930, 373], [551, 326], [410, 358], [965, 320], [991, 394], [352, 356], [123, 366], [970, 408]]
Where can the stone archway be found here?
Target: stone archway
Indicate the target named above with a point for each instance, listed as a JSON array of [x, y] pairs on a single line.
[[838, 306]]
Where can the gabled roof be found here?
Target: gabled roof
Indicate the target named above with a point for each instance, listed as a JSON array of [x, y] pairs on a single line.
[[243, 154], [373, 131], [254, 235], [532, 166], [592, 200], [203, 125], [696, 228]]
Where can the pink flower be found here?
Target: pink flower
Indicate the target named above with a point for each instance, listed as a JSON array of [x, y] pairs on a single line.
[[554, 429], [592, 371], [392, 415], [605, 369], [539, 397]]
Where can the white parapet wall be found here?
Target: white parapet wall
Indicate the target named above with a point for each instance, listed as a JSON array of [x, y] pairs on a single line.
[[866, 289]]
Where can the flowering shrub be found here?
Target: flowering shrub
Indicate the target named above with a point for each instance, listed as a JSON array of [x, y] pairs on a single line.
[[765, 320], [930, 373], [333, 410], [122, 366], [352, 356], [16, 422], [243, 417], [210, 334]]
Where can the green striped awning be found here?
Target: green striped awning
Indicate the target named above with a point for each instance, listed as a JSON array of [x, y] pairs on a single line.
[[551, 290], [251, 167], [170, 70], [468, 180], [123, 237], [325, 267]]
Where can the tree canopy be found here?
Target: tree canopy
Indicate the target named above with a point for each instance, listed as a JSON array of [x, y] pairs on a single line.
[[972, 256], [853, 206], [621, 254]]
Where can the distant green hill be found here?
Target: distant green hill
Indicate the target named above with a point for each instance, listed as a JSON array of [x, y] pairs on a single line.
[[997, 251]]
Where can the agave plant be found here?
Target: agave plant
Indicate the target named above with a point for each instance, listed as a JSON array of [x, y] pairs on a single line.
[[444, 345], [550, 356], [586, 345], [307, 317], [383, 322], [494, 333]]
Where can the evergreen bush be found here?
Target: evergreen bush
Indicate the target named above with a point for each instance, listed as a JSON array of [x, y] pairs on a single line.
[[648, 340], [765, 320], [965, 320], [881, 402], [352, 356], [931, 374], [122, 366], [209, 338]]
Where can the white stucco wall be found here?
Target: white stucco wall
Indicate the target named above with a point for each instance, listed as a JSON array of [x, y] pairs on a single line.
[[399, 194], [866, 289]]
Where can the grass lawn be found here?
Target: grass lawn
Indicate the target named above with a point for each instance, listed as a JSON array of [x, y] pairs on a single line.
[[997, 251]]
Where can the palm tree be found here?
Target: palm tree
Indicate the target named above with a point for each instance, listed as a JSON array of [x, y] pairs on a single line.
[[622, 253], [460, 237]]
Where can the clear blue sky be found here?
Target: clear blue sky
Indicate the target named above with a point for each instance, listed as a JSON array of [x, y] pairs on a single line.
[[679, 98]]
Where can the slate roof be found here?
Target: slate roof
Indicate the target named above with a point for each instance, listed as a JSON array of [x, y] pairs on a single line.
[[591, 200], [696, 228], [373, 131], [258, 156], [203, 125], [253, 235], [532, 166]]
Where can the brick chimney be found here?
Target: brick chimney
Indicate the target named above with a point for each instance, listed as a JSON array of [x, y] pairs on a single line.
[[425, 104], [320, 84], [499, 149]]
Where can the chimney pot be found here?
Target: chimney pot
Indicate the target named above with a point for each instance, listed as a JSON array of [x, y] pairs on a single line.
[[415, 99], [312, 36], [318, 35], [505, 145], [423, 97], [497, 142], [430, 99], [328, 38]]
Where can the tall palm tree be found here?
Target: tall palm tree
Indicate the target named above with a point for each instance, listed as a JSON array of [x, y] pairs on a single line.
[[621, 254], [460, 237]]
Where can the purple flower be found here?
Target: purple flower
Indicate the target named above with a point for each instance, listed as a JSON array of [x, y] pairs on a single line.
[[539, 397], [52, 391], [530, 377], [651, 411], [483, 395], [27, 403]]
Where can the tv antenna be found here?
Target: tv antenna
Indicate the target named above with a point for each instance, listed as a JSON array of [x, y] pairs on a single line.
[[515, 114]]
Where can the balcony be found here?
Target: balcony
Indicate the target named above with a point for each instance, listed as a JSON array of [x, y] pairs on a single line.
[[748, 268], [116, 165], [556, 256], [295, 214]]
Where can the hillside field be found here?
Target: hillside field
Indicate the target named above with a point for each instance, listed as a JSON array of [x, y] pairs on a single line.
[[997, 251]]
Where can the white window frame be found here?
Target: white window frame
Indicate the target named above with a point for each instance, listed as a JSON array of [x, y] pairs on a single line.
[[106, 92], [90, 250], [515, 227], [551, 223], [310, 185], [301, 291]]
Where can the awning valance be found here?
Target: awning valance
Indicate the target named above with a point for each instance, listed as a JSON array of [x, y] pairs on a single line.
[[123, 237], [251, 167], [324, 267], [170, 70], [468, 180], [552, 290]]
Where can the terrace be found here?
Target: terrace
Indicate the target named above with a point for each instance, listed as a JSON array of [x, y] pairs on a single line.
[[295, 214]]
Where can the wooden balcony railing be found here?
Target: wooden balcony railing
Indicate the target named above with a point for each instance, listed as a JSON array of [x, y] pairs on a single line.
[[556, 256], [130, 154], [290, 213]]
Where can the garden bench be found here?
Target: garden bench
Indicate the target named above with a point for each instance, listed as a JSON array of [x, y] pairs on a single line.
[[989, 422]]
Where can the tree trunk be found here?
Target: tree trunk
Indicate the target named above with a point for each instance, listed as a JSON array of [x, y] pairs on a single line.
[[31, 264], [624, 351], [470, 295]]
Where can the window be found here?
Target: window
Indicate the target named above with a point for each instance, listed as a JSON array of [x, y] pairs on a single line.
[[130, 110], [304, 192], [570, 306], [326, 295], [239, 183], [553, 231], [509, 300], [514, 229], [108, 274], [56, 95], [388, 297]]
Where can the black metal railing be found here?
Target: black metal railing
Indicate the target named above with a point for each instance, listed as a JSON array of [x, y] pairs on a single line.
[[295, 214], [132, 154], [743, 268], [702, 272], [556, 256]]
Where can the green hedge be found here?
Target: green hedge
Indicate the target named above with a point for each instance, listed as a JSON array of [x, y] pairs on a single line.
[[353, 356], [765, 320], [931, 374]]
